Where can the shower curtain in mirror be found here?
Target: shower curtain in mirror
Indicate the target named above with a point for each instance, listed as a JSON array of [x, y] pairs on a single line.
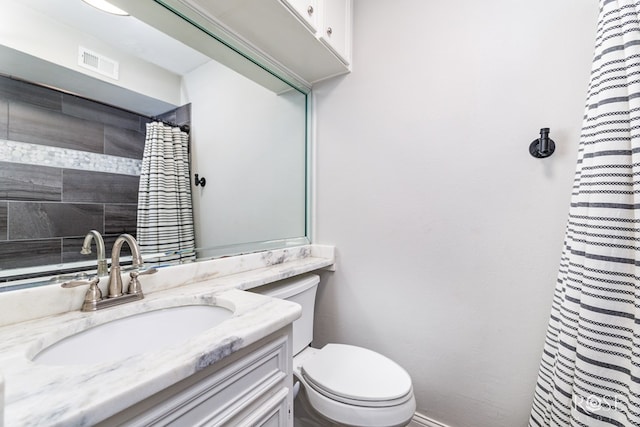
[[165, 214], [590, 369]]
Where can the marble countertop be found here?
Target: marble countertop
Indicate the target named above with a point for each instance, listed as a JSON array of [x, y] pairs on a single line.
[[36, 394]]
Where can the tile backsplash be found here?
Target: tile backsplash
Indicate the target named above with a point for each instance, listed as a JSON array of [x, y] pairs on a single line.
[[67, 165]]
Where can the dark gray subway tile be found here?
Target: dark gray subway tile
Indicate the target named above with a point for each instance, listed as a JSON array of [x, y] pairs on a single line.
[[168, 117], [97, 112], [99, 187], [143, 124], [123, 142], [40, 126], [21, 91], [29, 182], [33, 220], [71, 247], [30, 253], [178, 116], [3, 220], [120, 218], [183, 115], [4, 119]]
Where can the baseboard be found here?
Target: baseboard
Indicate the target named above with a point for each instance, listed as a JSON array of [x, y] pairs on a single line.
[[420, 420]]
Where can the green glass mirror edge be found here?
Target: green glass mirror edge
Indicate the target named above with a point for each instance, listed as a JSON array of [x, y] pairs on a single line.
[[228, 248]]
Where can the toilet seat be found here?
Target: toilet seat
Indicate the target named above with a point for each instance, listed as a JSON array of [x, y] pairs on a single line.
[[357, 376], [356, 386]]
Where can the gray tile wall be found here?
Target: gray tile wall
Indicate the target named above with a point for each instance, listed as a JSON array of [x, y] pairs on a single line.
[[4, 117], [46, 211], [28, 123], [99, 187], [29, 182], [27, 253], [3, 221], [35, 220]]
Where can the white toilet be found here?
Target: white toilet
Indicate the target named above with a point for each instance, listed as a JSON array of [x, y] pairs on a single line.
[[342, 384]]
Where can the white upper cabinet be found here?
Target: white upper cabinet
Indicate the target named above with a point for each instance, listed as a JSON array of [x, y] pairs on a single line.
[[309, 39], [336, 27], [306, 10]]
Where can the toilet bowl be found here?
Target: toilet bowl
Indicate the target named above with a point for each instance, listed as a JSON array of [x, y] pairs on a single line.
[[343, 384]]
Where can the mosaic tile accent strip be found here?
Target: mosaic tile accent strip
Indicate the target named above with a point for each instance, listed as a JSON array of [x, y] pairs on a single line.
[[35, 154]]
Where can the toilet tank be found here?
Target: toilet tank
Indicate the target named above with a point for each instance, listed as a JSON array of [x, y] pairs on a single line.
[[301, 290]]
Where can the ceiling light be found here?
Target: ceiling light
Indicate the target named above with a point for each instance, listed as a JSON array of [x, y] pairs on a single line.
[[105, 6]]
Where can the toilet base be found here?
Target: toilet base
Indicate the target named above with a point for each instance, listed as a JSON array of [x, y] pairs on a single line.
[[304, 415]]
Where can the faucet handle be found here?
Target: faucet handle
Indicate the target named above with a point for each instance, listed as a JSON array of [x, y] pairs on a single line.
[[144, 271], [134, 284], [93, 295], [79, 282]]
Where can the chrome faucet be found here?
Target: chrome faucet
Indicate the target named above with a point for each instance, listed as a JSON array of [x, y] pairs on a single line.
[[86, 250], [93, 299], [115, 280]]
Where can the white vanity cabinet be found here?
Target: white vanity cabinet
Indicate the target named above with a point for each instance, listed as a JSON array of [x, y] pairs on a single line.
[[311, 39], [251, 387]]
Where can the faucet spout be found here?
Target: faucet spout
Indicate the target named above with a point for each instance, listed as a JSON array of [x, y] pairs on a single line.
[[115, 279], [86, 250]]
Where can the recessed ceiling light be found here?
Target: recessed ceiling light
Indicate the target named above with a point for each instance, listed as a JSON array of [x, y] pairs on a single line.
[[105, 6]]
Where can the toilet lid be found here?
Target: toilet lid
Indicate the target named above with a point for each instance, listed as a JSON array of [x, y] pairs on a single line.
[[355, 374]]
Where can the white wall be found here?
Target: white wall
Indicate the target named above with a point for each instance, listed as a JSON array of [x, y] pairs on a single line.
[[448, 232]]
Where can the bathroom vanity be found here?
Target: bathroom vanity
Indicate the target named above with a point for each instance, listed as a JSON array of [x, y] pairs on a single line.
[[235, 373]]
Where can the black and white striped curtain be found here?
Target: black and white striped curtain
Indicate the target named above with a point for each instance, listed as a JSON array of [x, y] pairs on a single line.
[[590, 369], [165, 214]]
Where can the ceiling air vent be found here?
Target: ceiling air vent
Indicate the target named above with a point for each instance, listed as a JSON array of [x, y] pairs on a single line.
[[98, 63]]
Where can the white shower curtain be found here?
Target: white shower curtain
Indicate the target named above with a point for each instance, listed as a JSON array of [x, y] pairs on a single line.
[[590, 369], [165, 214]]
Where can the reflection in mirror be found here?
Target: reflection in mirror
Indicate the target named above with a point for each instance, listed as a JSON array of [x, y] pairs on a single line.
[[72, 137]]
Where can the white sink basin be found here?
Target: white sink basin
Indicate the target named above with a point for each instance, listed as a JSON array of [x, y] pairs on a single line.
[[128, 336]]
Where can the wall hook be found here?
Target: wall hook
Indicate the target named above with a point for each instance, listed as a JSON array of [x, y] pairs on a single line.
[[200, 181], [543, 146]]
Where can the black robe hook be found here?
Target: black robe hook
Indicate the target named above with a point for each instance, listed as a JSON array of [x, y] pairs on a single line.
[[200, 181], [543, 146]]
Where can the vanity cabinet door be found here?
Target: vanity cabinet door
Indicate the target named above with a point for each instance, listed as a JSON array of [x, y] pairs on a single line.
[[254, 389], [275, 413], [336, 28], [306, 10]]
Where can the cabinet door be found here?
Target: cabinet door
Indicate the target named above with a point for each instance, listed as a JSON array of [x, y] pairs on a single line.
[[336, 27], [256, 387], [274, 413], [306, 10]]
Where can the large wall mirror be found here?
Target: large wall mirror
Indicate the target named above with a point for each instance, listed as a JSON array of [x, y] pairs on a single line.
[[72, 134]]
